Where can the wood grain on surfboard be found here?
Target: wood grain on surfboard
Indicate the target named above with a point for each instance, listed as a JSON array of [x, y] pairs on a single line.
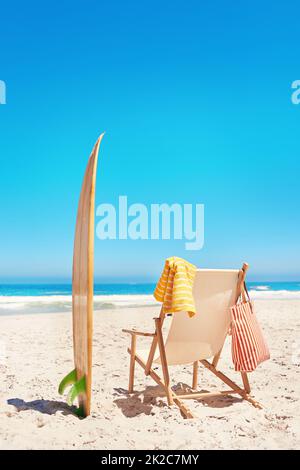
[[83, 279]]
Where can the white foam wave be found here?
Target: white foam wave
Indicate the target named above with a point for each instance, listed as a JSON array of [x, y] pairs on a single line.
[[56, 303], [63, 303], [18, 299], [275, 294]]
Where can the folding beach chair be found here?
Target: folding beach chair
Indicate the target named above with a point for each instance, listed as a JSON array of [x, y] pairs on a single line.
[[195, 340]]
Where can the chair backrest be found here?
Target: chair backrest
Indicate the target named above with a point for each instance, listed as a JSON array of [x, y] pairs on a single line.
[[202, 336]]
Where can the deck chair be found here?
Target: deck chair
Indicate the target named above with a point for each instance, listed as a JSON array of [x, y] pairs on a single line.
[[195, 340]]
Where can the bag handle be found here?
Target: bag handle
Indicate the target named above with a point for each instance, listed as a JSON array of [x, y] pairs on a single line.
[[241, 283], [245, 293], [245, 297]]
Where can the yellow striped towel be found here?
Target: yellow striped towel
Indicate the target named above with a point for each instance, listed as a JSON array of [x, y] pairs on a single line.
[[175, 286]]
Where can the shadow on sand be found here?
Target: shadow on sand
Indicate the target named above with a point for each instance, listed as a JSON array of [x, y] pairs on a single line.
[[48, 407], [143, 402]]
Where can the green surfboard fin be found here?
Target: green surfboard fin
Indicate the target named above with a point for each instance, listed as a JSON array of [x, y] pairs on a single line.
[[78, 387], [69, 379]]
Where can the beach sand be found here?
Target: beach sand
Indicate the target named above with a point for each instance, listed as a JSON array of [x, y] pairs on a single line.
[[36, 352]]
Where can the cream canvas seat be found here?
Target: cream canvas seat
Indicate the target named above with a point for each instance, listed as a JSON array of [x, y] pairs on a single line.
[[196, 339]]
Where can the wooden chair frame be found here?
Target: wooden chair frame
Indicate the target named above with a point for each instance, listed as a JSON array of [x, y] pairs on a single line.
[[175, 398]]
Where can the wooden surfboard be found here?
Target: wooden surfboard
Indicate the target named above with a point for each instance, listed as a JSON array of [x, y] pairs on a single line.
[[82, 291]]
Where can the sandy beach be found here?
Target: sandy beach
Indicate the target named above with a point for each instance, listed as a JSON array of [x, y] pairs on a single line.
[[36, 352]]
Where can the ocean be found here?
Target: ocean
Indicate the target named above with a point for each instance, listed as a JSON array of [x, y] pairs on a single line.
[[44, 298]]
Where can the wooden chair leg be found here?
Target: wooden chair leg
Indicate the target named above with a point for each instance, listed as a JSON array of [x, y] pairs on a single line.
[[246, 382], [195, 376], [231, 384], [154, 344], [183, 408], [216, 358], [132, 363], [151, 355], [163, 361]]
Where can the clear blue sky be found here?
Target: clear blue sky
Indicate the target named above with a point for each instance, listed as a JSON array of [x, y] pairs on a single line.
[[195, 98]]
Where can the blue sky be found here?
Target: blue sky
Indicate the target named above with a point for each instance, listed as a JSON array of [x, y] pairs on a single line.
[[195, 99]]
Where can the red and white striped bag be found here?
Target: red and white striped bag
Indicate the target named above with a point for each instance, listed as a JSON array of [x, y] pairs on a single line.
[[248, 346]]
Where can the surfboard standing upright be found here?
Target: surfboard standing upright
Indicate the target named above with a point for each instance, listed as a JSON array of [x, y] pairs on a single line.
[[82, 292]]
